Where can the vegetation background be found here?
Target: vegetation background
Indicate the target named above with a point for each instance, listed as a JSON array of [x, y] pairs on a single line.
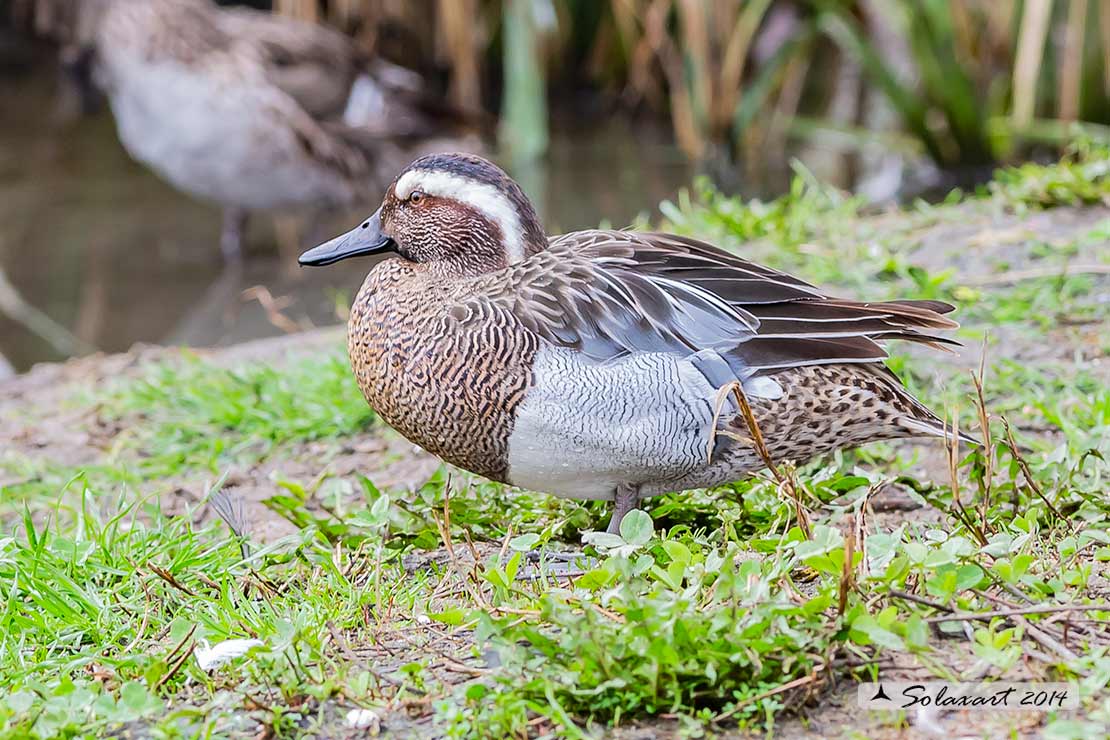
[[965, 83]]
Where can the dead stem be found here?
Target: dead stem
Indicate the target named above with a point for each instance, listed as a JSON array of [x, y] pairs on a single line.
[[146, 617], [181, 643], [175, 667], [273, 309], [168, 577], [952, 452], [505, 544], [920, 600], [1016, 276], [785, 481], [847, 572], [1047, 641], [987, 616], [796, 683], [444, 527], [1028, 474], [987, 449], [860, 528], [1061, 614]]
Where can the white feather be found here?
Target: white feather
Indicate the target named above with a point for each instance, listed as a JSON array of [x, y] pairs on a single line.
[[484, 198], [209, 657], [365, 103], [763, 387]]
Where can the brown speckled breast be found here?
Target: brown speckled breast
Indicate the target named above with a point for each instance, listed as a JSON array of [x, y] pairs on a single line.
[[445, 370]]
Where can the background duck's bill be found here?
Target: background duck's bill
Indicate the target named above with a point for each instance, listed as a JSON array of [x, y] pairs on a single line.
[[366, 238]]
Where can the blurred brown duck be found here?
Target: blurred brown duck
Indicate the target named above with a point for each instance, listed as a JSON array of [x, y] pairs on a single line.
[[250, 110], [606, 364]]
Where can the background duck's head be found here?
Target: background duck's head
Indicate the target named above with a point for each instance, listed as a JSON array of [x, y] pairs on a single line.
[[457, 212]]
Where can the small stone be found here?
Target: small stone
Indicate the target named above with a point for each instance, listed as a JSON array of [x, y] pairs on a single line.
[[364, 719]]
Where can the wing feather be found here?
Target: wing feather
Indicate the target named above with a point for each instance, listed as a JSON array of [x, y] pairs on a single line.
[[610, 293]]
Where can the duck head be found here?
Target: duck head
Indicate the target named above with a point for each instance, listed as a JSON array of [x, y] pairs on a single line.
[[458, 213]]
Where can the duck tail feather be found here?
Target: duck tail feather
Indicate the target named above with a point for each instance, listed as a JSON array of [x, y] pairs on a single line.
[[934, 427]]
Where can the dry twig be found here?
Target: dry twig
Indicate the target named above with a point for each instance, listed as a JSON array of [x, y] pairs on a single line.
[[1028, 474], [796, 683], [785, 481], [987, 616]]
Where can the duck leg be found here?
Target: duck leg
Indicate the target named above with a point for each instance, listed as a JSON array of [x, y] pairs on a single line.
[[539, 564], [626, 499], [231, 238]]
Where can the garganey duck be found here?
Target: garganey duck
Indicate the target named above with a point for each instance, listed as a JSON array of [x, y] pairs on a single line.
[[246, 109], [604, 364]]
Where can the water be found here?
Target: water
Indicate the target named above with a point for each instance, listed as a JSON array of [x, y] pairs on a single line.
[[106, 255], [114, 256]]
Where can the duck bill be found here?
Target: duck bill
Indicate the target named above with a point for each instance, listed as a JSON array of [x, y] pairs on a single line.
[[366, 238]]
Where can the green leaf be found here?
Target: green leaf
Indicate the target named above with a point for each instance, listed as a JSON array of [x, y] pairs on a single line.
[[866, 630], [20, 701], [602, 540], [137, 698], [937, 558], [677, 551], [452, 617], [380, 509], [916, 552], [637, 527], [848, 483], [360, 684], [524, 542], [917, 631], [593, 580], [497, 577], [511, 568], [958, 547], [968, 576], [154, 672]]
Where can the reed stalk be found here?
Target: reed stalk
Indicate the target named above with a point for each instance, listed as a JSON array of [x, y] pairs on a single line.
[[1071, 61], [523, 131], [1104, 38], [305, 10], [461, 42], [1035, 22]]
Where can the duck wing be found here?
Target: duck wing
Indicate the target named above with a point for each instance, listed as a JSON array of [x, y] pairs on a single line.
[[310, 63], [328, 76], [611, 293]]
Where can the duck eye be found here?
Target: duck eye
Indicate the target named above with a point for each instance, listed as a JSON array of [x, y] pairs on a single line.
[[416, 197]]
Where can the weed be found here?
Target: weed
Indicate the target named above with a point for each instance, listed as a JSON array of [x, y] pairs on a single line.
[[196, 413]]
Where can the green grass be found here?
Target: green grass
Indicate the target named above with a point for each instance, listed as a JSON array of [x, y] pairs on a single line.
[[1082, 177], [714, 609], [199, 414], [190, 415], [100, 616]]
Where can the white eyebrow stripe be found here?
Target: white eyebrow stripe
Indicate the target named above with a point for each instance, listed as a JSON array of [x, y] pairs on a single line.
[[485, 198]]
